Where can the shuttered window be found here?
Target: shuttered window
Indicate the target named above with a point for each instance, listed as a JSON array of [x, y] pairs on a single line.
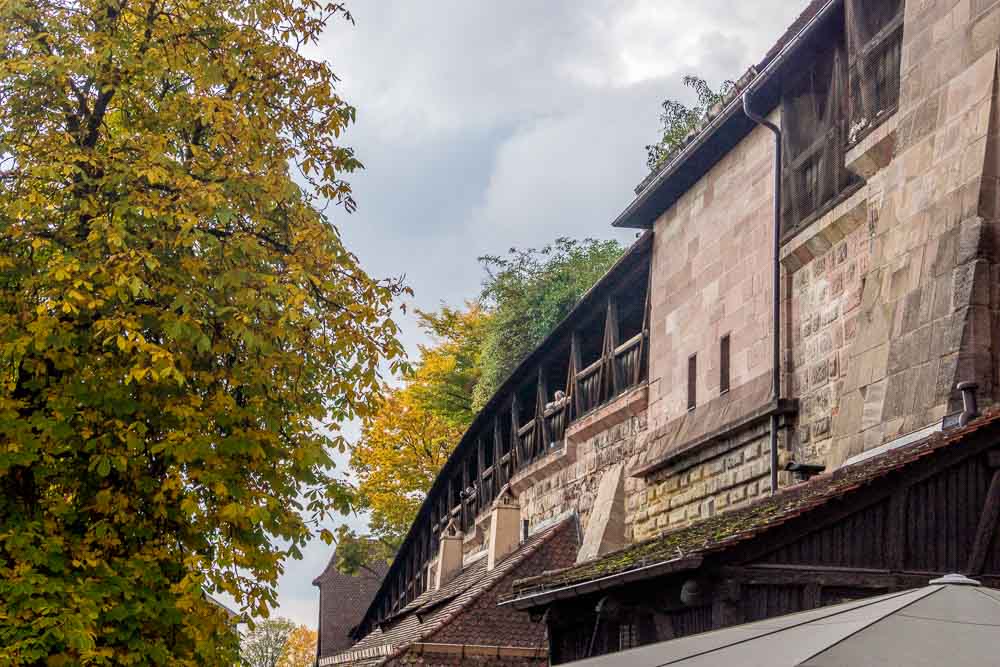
[[724, 364], [692, 381]]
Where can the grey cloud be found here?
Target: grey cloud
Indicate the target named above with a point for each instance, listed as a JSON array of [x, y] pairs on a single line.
[[486, 125]]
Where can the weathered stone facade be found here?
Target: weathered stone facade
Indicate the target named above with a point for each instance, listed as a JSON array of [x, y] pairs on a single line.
[[693, 490], [575, 486], [889, 299], [890, 296], [711, 277], [824, 323], [927, 312]]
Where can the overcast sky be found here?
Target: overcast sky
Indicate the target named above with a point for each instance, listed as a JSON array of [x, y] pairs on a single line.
[[485, 125]]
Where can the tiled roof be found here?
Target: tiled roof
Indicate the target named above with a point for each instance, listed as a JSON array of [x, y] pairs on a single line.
[[432, 598], [636, 255], [343, 601], [794, 29], [728, 528], [432, 610]]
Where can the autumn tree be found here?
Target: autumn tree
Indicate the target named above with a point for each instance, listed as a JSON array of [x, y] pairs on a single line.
[[404, 444], [300, 648], [529, 291], [265, 643], [677, 119], [278, 642], [449, 369], [181, 327]]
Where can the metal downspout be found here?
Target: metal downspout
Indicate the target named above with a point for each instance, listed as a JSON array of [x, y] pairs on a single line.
[[775, 285]]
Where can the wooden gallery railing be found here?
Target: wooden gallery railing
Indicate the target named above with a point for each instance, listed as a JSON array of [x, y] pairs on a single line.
[[505, 445]]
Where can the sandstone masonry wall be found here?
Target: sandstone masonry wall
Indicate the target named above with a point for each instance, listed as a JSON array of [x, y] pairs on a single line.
[[926, 309], [684, 494], [711, 277], [889, 299], [574, 487]]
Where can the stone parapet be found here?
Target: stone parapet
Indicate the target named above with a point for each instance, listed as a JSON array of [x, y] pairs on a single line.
[[575, 486]]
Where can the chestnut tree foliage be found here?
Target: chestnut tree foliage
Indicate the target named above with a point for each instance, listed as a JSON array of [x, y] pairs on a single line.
[[180, 324]]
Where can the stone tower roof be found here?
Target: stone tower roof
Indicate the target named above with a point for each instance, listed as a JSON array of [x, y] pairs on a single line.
[[343, 600]]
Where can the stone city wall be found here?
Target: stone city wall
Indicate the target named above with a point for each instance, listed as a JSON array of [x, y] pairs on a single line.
[[889, 299]]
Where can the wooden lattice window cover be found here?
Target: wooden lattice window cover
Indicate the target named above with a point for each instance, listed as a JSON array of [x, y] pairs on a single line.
[[874, 46]]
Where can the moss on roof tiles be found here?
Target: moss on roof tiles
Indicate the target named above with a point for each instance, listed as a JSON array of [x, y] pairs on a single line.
[[723, 530]]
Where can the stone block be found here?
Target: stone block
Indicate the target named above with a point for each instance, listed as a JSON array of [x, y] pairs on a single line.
[[924, 383], [909, 350], [821, 428], [874, 399], [873, 437], [970, 284], [946, 252], [605, 530], [876, 361], [900, 392], [976, 330], [911, 311], [946, 378], [737, 495], [874, 327], [970, 240]]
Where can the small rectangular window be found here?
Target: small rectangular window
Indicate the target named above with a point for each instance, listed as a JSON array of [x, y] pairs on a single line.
[[692, 381], [724, 364]]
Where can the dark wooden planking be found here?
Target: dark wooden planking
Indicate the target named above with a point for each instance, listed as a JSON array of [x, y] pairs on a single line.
[[895, 546], [766, 601], [987, 528], [858, 539]]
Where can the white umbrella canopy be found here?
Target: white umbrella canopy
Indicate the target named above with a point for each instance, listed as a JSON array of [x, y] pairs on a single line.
[[954, 621]]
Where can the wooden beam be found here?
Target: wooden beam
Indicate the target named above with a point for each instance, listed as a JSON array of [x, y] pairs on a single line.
[[727, 609], [610, 347], [812, 596], [541, 426], [466, 483], [993, 458], [644, 332], [499, 476], [914, 473], [987, 529], [572, 384], [895, 548], [480, 467], [790, 575], [515, 438]]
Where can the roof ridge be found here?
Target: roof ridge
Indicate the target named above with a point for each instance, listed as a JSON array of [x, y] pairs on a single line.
[[461, 600], [331, 566], [509, 563], [927, 594]]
